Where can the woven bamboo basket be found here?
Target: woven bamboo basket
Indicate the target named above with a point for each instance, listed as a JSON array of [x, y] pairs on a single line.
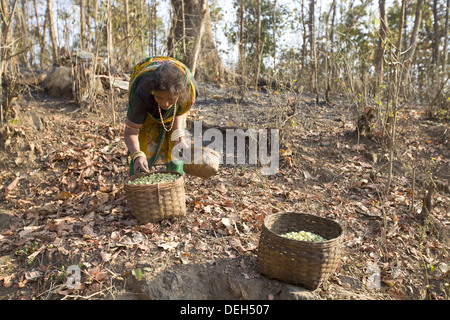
[[303, 263], [208, 167], [156, 202]]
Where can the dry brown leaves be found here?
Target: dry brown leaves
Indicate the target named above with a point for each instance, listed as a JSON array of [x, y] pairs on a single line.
[[71, 210]]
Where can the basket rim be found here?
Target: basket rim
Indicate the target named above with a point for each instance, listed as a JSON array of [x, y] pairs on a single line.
[[134, 176], [319, 243], [204, 149]]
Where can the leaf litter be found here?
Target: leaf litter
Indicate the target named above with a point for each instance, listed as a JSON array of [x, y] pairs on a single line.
[[68, 208]]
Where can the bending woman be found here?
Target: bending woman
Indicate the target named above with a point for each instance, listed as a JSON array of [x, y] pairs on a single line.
[[161, 92]]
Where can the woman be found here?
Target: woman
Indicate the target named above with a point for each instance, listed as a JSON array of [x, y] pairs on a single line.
[[161, 92]]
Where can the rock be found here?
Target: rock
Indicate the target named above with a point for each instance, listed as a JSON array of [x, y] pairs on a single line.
[[32, 120], [85, 56], [42, 77], [290, 292], [6, 219], [350, 282], [59, 82], [120, 84], [32, 78]]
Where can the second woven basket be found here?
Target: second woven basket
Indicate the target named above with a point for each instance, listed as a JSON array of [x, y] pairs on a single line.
[[209, 166], [302, 263], [156, 202]]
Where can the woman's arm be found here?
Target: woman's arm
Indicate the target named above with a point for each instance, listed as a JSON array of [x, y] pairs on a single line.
[[178, 125], [132, 142], [179, 121], [131, 136]]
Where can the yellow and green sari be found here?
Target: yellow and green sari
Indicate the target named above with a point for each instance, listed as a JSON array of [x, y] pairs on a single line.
[[154, 141]]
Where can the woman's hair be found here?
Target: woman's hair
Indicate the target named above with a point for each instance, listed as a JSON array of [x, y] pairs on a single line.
[[168, 77]]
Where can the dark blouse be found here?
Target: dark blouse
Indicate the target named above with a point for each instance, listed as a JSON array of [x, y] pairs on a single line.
[[143, 103]]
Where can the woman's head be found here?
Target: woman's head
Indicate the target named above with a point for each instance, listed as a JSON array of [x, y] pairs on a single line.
[[168, 82]]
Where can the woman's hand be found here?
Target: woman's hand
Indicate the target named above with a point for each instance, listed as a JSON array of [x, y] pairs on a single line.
[[141, 165], [181, 142]]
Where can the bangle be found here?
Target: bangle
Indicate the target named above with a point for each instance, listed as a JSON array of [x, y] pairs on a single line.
[[177, 134], [131, 128], [138, 154]]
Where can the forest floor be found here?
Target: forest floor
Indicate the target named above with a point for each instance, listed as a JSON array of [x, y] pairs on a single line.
[[63, 205]]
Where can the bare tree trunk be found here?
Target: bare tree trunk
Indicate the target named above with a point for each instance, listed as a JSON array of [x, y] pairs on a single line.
[[171, 41], [326, 56], [409, 54], [274, 34], [258, 41], [209, 62], [6, 19], [27, 43], [5, 36], [154, 36], [330, 53], [438, 98], [399, 84], [109, 35], [312, 41], [435, 60], [183, 16], [241, 38], [96, 41], [400, 29], [88, 25], [1, 72], [5, 59], [379, 59], [6, 29], [198, 39], [142, 34], [127, 58], [83, 24], [446, 34], [44, 54], [303, 55], [40, 36], [52, 31]]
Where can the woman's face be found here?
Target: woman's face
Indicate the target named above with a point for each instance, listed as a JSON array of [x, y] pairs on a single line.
[[165, 99]]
